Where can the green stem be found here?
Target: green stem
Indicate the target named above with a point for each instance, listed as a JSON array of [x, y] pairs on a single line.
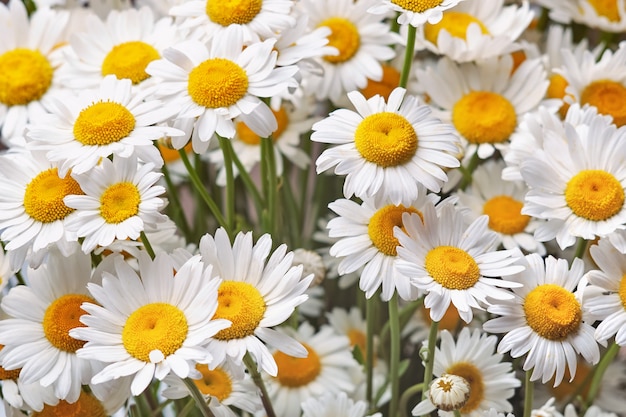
[[406, 396], [528, 394], [394, 366], [271, 191], [457, 413], [201, 402], [230, 181], [408, 56], [371, 308], [598, 373], [146, 244], [258, 381], [581, 247], [430, 359], [469, 171], [187, 409], [177, 208], [247, 180]]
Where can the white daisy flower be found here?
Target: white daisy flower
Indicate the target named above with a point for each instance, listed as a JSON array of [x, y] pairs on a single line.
[[593, 411], [123, 45], [476, 30], [577, 184], [386, 150], [257, 293], [326, 368], [99, 123], [545, 319], [253, 20], [447, 393], [332, 263], [362, 39], [608, 16], [332, 404], [451, 262], [415, 13], [120, 201], [29, 58], [86, 404], [485, 101], [36, 336], [148, 325], [220, 81]]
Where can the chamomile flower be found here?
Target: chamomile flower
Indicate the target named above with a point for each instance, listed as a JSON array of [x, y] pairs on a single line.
[[332, 404], [123, 45], [475, 30], [386, 150], [447, 393], [111, 120], [544, 321], [415, 13], [257, 293], [120, 201], [608, 16], [29, 58], [485, 101], [577, 184], [87, 404], [326, 368], [149, 325], [451, 261], [362, 39], [36, 336], [219, 81]]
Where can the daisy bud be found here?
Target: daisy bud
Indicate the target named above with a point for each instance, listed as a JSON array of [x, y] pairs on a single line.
[[312, 263], [449, 392]]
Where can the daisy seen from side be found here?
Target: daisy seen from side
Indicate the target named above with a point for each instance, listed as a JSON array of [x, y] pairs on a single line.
[[415, 13], [608, 16]]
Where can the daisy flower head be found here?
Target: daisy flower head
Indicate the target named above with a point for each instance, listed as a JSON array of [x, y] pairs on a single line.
[[485, 101], [415, 13], [452, 262], [447, 393], [29, 58], [221, 80], [120, 201], [326, 368], [577, 184], [123, 45], [387, 149], [87, 404], [545, 319], [258, 291], [366, 240], [608, 16], [148, 324], [332, 404], [361, 39], [475, 30], [111, 120]]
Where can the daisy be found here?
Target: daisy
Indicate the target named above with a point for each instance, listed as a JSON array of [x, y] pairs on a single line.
[[29, 58], [447, 393], [111, 120], [326, 368], [415, 13], [475, 30], [332, 404], [87, 404], [362, 39], [593, 411], [451, 261], [545, 319], [608, 16], [257, 293], [577, 184], [366, 240], [36, 336], [484, 101], [123, 45], [386, 150], [219, 81], [148, 325], [120, 200]]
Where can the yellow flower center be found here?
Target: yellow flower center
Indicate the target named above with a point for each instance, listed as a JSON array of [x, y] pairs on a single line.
[[518, 59], [386, 139], [103, 123], [25, 76], [567, 388], [217, 82], [594, 195], [622, 290], [344, 36], [556, 89], [484, 117], [384, 87], [171, 155], [452, 267], [233, 12], [61, 316], [8, 375], [417, 6], [609, 97], [380, 227], [358, 338], [246, 135], [43, 198], [455, 23], [297, 372], [216, 383], [450, 320], [86, 406], [505, 215], [129, 60], [119, 202], [606, 8], [552, 312], [243, 305], [155, 326], [477, 386]]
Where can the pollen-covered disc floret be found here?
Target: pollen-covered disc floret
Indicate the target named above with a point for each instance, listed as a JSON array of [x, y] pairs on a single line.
[[415, 12]]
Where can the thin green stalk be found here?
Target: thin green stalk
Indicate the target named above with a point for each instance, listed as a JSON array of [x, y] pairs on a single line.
[[201, 402], [408, 56], [528, 394], [141, 405], [293, 215], [187, 409], [581, 247], [177, 208], [146, 244], [469, 171], [230, 182], [394, 366], [457, 413], [371, 319], [271, 191], [406, 396], [258, 381], [247, 180], [430, 359], [598, 372]]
